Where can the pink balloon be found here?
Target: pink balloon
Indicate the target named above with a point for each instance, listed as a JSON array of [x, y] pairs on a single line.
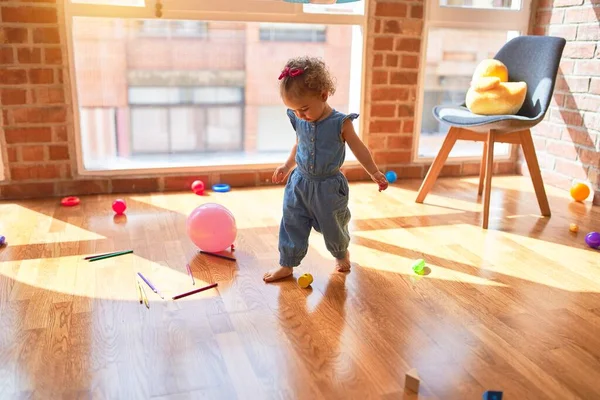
[[211, 227]]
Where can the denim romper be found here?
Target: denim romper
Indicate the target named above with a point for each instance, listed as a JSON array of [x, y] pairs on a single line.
[[316, 193]]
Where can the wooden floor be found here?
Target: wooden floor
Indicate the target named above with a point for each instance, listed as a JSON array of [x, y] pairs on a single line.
[[515, 308]]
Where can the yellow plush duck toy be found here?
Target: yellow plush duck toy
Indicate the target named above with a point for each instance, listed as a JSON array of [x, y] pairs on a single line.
[[491, 93]]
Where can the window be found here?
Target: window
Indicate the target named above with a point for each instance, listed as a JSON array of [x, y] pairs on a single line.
[[184, 92], [451, 54]]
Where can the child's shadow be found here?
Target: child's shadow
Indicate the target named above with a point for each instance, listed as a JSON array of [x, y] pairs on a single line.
[[316, 332]]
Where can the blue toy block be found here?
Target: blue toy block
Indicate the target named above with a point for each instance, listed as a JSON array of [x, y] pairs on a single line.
[[492, 395]]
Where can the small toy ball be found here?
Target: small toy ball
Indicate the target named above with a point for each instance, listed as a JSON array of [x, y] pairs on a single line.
[[419, 266], [391, 176], [2, 240], [70, 201], [305, 280], [221, 188], [198, 187], [574, 228], [119, 206], [383, 186], [580, 191], [211, 227], [592, 239]]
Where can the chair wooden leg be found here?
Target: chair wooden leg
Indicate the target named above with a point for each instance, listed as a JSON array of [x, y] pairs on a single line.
[[534, 171], [482, 168], [438, 164], [489, 171]]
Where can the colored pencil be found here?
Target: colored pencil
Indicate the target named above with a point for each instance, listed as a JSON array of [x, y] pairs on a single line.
[[189, 270], [145, 297], [218, 255], [179, 296], [102, 257], [139, 288], [155, 290]]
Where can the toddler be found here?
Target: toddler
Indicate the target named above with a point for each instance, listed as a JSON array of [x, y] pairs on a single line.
[[316, 194]]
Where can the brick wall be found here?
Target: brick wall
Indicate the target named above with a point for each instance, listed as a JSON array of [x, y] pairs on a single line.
[[568, 141], [37, 141]]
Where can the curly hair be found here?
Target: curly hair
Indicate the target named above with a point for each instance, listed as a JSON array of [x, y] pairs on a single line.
[[314, 80]]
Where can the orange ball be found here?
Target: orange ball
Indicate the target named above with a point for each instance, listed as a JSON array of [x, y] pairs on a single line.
[[580, 191]]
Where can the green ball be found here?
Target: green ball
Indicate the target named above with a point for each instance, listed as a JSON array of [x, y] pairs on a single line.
[[419, 266]]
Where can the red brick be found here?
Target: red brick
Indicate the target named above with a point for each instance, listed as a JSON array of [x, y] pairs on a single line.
[[550, 17], [579, 136], [41, 75], [400, 142], [409, 61], [31, 172], [377, 26], [13, 77], [572, 169], [53, 56], [566, 67], [573, 84], [403, 78], [40, 115], [392, 26], [12, 154], [471, 168], [383, 43], [391, 60], [558, 100], [392, 157], [389, 94], [378, 60], [79, 187], [539, 143], [10, 97], [46, 95], [579, 50], [505, 167], [583, 102], [408, 126], [554, 179], [409, 44], [416, 11], [540, 31], [239, 179], [185, 182], [14, 35], [6, 55], [562, 149], [29, 55], [567, 3], [59, 152], [406, 110], [29, 14], [412, 171], [134, 185], [385, 9], [46, 35], [27, 135], [569, 32], [380, 77], [584, 14], [548, 130], [567, 117], [60, 134], [384, 126], [355, 174], [596, 200], [588, 32], [595, 86], [451, 170], [590, 157], [25, 190], [33, 153], [378, 143], [383, 110]]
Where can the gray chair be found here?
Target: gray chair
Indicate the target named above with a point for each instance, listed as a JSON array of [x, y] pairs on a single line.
[[533, 59]]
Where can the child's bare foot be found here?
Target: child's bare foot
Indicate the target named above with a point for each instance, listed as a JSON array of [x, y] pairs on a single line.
[[278, 273], [343, 265]]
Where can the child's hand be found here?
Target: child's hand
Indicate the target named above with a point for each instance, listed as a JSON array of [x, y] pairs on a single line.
[[280, 173], [380, 179]]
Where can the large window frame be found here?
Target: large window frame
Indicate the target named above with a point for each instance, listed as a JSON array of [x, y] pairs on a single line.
[[457, 17], [209, 10]]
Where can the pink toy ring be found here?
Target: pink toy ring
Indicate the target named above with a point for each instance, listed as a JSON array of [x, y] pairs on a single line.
[[70, 201]]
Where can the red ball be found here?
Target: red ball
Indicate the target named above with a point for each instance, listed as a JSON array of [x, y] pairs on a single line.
[[198, 187], [119, 206]]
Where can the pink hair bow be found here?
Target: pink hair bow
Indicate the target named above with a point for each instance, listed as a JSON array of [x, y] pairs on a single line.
[[291, 72]]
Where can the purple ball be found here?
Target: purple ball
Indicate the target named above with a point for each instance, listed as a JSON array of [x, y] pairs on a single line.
[[593, 239], [2, 240]]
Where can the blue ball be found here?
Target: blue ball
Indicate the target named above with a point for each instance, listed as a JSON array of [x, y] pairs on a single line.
[[391, 176]]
